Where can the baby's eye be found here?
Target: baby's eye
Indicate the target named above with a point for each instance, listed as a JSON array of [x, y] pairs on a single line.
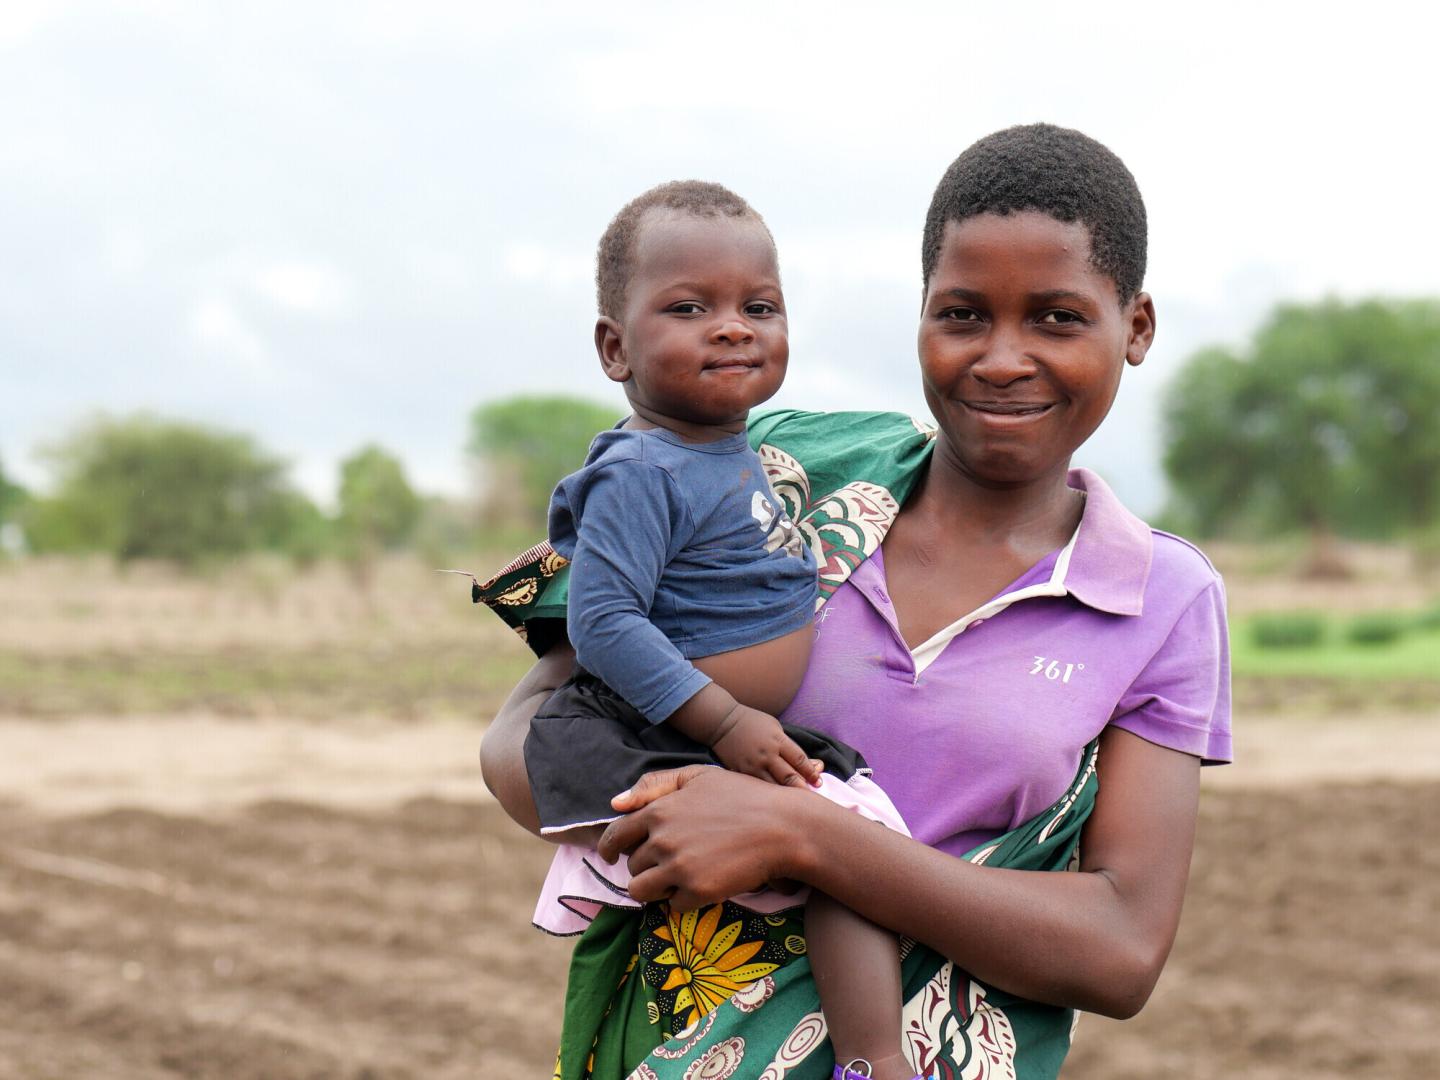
[[686, 307], [761, 307]]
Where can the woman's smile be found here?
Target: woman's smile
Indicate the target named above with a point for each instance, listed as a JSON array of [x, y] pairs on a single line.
[[1009, 412]]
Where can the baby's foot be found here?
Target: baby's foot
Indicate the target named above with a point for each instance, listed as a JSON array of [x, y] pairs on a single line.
[[892, 1067]]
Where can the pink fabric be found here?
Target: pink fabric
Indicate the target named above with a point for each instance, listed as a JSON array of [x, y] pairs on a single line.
[[580, 883]]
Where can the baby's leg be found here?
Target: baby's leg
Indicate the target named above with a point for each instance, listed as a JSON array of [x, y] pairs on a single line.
[[857, 972]]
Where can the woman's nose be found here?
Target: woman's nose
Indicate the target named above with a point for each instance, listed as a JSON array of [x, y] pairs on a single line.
[[1003, 362]]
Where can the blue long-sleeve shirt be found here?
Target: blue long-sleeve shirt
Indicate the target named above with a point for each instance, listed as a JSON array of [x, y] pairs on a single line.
[[677, 550]]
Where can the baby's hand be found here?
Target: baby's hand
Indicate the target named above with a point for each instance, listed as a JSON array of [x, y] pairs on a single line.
[[753, 742]]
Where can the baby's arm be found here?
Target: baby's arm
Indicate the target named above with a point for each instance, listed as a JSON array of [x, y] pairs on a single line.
[[633, 521]]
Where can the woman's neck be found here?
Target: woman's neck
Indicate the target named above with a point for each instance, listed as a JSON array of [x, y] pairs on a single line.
[[1037, 514]]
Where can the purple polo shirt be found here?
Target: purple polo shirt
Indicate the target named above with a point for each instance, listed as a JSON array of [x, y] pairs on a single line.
[[981, 728]]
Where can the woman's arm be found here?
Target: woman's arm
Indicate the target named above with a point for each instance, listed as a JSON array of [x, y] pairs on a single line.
[[502, 751], [1094, 940]]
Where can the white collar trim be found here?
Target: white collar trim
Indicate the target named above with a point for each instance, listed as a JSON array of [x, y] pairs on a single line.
[[928, 651]]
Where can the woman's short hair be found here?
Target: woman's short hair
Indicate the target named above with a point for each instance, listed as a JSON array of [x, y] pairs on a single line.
[[1057, 171]]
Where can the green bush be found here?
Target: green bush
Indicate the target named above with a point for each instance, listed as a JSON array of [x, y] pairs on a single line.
[[1288, 630], [1377, 628], [143, 487], [1429, 619]]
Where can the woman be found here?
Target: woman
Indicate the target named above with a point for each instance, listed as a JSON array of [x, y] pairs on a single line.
[[991, 616]]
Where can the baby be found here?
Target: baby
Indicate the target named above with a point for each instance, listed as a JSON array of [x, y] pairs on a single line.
[[691, 593]]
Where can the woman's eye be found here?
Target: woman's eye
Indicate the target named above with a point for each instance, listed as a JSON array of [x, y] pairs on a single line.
[[1060, 318], [960, 315]]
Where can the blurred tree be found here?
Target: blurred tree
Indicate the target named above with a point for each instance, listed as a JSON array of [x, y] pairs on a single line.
[[1399, 348], [378, 508], [295, 526], [12, 502], [145, 487], [11, 496], [537, 440], [1329, 421], [446, 529]]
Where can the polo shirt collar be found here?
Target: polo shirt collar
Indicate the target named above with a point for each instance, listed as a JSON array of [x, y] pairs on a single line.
[[1110, 562]]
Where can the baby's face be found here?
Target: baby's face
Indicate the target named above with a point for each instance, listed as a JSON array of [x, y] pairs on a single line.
[[703, 336]]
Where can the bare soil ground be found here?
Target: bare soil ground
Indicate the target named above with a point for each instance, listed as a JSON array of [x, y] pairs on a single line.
[[242, 836], [158, 921]]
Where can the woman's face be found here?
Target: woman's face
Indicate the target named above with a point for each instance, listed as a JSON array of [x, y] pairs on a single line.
[[1022, 343]]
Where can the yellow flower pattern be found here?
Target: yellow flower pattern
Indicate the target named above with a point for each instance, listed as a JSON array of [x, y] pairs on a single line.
[[696, 960], [709, 961]]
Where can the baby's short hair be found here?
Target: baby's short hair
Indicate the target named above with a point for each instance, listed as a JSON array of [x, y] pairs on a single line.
[[617, 246], [1057, 171]]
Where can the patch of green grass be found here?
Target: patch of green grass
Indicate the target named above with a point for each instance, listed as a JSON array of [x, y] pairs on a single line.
[[1411, 656], [1378, 628], [330, 683], [1287, 630]]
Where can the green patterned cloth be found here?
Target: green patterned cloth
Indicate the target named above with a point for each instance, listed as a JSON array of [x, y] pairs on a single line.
[[722, 992]]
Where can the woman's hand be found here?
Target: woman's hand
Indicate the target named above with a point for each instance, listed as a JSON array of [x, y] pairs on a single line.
[[700, 834], [652, 786]]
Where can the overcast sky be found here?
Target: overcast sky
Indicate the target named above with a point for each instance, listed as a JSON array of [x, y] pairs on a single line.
[[333, 223]]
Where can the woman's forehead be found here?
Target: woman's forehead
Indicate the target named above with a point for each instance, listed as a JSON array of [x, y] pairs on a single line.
[[1022, 248]]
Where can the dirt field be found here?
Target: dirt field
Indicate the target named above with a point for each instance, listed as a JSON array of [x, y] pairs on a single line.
[[337, 937], [285, 887]]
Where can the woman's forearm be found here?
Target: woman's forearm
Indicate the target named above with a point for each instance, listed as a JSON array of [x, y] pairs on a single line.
[[1065, 939], [1094, 940], [502, 751]]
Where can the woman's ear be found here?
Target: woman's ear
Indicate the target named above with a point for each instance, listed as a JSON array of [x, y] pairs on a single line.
[[1141, 311], [611, 348]]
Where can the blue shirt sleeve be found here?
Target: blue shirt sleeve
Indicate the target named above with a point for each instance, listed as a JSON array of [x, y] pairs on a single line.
[[631, 520]]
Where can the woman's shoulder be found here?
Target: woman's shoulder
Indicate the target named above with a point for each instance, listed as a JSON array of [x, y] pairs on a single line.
[[1179, 560]]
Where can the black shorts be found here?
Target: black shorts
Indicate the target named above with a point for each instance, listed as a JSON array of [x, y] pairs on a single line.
[[587, 744]]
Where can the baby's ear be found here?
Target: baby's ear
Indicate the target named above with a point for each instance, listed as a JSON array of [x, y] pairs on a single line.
[[610, 346]]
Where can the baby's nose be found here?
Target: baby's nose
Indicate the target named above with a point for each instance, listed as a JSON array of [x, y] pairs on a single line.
[[733, 331]]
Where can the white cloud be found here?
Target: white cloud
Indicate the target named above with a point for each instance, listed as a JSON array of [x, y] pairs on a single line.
[[19, 19], [309, 288], [448, 273], [220, 330], [556, 268], [850, 255], [124, 250]]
